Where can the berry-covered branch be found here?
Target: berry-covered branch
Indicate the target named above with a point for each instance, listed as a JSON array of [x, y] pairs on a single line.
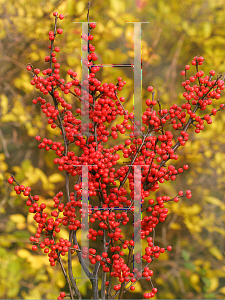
[[112, 188]]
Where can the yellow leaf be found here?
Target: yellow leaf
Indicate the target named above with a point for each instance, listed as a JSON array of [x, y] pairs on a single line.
[[208, 153], [56, 177], [214, 283], [175, 226], [50, 270], [163, 256], [198, 262], [16, 169], [41, 175], [207, 29], [30, 219], [216, 252], [159, 281], [192, 226], [60, 280], [80, 7], [117, 31], [213, 200], [207, 242], [23, 253], [194, 278], [21, 226], [4, 104], [2, 156], [217, 229], [222, 290], [117, 5], [37, 261], [33, 294], [23, 81], [31, 228], [63, 232], [17, 218], [51, 193], [3, 166], [169, 295], [193, 210], [138, 288]]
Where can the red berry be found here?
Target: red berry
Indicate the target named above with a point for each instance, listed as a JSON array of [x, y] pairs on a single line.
[[150, 89], [59, 31], [34, 247], [22, 187], [61, 16], [169, 248], [10, 180], [92, 25]]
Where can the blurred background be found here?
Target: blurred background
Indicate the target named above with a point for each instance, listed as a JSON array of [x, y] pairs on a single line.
[[178, 31]]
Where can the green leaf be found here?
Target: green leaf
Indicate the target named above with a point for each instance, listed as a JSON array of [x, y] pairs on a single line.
[[189, 266], [185, 255]]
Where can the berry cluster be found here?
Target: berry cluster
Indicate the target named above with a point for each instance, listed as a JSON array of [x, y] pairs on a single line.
[[106, 179]]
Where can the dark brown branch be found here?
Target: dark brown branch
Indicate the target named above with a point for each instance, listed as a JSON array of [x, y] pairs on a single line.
[[70, 271]]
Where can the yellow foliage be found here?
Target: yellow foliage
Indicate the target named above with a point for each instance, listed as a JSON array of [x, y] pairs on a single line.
[[194, 279], [23, 82], [193, 210], [214, 201], [198, 262], [31, 228], [216, 252], [22, 24], [17, 218], [56, 177], [2, 156], [3, 104], [214, 283], [21, 226], [117, 5], [32, 294], [163, 256], [222, 290], [80, 7], [138, 288], [60, 280], [175, 226], [23, 253], [192, 226], [3, 166]]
